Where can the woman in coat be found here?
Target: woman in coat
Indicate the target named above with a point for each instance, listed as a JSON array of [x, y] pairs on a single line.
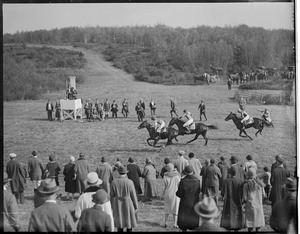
[[253, 192], [70, 181], [134, 174], [189, 193], [149, 174], [232, 192], [82, 168], [171, 180]]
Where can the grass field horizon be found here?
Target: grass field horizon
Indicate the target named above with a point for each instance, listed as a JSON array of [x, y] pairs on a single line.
[[25, 128]]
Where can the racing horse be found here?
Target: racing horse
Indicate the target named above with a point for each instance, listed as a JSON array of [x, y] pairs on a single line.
[[257, 124], [170, 134], [204, 77], [200, 129]]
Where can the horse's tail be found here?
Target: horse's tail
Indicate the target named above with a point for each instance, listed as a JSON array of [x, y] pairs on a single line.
[[213, 127]]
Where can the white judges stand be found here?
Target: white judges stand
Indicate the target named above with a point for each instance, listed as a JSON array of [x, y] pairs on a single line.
[[70, 109]]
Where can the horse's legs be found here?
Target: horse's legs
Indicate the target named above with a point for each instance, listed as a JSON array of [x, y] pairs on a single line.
[[195, 138], [247, 134], [148, 141]]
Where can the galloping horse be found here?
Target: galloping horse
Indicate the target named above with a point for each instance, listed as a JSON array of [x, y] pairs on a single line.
[[170, 134], [204, 77], [200, 129], [257, 124]]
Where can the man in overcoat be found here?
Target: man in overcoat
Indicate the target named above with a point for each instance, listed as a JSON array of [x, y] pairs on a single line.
[[240, 173], [106, 108], [104, 171], [82, 168], [16, 173], [149, 174], [134, 174], [50, 217], [124, 201], [49, 109], [213, 175], [35, 170], [181, 162]]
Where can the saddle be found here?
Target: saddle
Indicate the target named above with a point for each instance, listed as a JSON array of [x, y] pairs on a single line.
[[192, 126], [249, 121]]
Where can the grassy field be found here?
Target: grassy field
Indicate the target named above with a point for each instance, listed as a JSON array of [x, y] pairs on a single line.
[[26, 129]]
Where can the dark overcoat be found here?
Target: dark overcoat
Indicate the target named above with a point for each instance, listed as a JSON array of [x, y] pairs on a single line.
[[82, 169], [134, 174], [70, 182], [278, 178], [35, 168], [188, 192], [15, 171]]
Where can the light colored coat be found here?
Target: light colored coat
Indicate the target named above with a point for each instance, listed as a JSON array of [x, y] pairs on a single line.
[[82, 168], [149, 174], [104, 171], [171, 181], [180, 164]]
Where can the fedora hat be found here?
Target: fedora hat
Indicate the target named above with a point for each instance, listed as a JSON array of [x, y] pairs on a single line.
[[34, 153], [47, 187], [122, 170], [100, 197], [233, 159], [12, 155], [181, 152], [6, 180], [93, 179], [188, 170], [207, 208], [290, 184]]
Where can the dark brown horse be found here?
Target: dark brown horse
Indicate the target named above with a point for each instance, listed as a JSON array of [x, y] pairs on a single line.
[[170, 134], [257, 124], [200, 129], [205, 77]]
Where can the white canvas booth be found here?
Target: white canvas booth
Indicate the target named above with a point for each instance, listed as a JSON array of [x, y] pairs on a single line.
[[71, 109]]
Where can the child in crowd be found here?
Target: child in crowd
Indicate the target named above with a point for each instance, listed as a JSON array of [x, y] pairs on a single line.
[[52, 169]]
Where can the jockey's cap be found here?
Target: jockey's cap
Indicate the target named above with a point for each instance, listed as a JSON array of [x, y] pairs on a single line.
[[153, 118], [184, 110]]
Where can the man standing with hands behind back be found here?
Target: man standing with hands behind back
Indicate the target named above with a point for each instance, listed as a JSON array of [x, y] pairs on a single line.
[[49, 109]]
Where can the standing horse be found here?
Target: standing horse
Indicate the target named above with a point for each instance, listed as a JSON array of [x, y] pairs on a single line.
[[170, 134], [235, 78], [200, 129], [257, 124], [204, 77]]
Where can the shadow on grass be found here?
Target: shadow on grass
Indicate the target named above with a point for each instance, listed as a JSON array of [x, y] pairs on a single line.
[[41, 119], [149, 223], [228, 139], [151, 150]]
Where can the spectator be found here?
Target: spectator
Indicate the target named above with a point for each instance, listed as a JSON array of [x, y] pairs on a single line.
[[171, 201], [50, 217], [82, 168], [208, 211], [106, 108], [164, 169], [57, 111], [229, 83], [149, 174], [203, 173], [276, 163], [266, 178], [114, 109], [134, 174], [93, 184], [95, 219], [224, 167], [49, 109], [201, 107], [116, 170], [284, 213], [70, 178], [35, 170], [104, 171], [125, 108], [249, 163], [181, 162], [152, 106], [16, 173], [195, 164], [124, 201], [232, 192], [278, 179], [173, 108], [240, 173], [252, 195], [213, 175], [53, 169], [10, 209], [189, 194]]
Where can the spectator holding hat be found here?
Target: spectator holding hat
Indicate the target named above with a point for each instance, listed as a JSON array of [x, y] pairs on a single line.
[[284, 213], [16, 173], [134, 174], [189, 194], [195, 164], [10, 209], [208, 211], [92, 184], [253, 192], [240, 173], [149, 174], [232, 213], [94, 219], [181, 162], [82, 168], [124, 201], [164, 169], [35, 170], [278, 179], [70, 180], [171, 201], [104, 171], [213, 176], [50, 217], [53, 169], [249, 163]]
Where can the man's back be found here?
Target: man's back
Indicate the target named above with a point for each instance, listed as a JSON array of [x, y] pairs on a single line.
[[213, 175], [196, 165], [35, 168], [180, 164]]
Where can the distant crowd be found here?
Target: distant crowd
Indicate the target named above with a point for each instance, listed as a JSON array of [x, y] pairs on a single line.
[[109, 195]]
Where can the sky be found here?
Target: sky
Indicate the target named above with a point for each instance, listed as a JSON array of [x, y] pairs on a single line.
[[30, 17]]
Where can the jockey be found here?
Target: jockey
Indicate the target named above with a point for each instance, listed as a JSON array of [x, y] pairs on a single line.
[[246, 117], [242, 104], [159, 124], [189, 120], [266, 115]]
